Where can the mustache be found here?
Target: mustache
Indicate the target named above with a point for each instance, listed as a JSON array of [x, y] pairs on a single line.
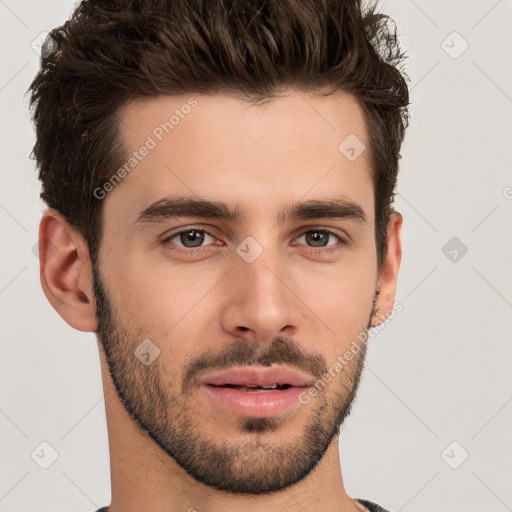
[[281, 350]]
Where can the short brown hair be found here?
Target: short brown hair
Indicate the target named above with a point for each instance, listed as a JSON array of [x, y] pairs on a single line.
[[110, 52]]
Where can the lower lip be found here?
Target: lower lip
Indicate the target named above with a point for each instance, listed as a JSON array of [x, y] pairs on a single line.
[[260, 405]]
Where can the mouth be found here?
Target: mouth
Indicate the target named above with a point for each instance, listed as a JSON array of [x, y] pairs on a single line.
[[256, 389], [259, 377], [256, 392]]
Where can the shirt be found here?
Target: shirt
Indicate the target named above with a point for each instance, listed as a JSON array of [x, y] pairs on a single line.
[[372, 507]]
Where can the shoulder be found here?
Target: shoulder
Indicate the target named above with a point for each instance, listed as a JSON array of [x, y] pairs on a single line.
[[372, 507]]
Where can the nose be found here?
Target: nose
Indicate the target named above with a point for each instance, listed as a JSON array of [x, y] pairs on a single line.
[[260, 301]]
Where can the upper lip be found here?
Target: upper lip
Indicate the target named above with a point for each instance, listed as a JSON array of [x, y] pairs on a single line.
[[252, 376]]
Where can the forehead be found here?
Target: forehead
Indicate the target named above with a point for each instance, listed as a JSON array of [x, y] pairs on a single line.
[[297, 146]]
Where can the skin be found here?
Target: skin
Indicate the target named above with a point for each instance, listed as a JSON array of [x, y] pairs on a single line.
[[293, 304]]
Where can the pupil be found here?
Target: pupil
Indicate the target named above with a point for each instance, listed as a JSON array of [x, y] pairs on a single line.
[[323, 238], [196, 238]]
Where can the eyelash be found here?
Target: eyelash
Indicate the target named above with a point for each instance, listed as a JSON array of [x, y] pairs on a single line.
[[188, 251]]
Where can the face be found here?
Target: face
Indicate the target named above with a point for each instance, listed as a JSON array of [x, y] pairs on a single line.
[[282, 274]]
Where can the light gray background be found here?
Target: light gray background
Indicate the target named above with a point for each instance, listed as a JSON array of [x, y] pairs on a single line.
[[439, 372]]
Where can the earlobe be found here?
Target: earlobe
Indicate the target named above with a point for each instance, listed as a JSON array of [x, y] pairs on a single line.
[[389, 271], [65, 271]]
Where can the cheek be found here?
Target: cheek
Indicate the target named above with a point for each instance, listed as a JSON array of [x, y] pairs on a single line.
[[345, 306], [159, 299]]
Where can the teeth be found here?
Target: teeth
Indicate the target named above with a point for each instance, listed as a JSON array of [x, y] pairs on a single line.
[[257, 388], [270, 386]]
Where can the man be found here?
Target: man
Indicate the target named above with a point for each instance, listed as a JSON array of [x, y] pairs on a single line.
[[220, 179]]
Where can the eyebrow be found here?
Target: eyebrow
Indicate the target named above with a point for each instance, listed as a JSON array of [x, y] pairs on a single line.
[[173, 207]]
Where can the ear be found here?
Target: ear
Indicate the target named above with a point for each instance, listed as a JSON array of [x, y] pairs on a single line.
[[389, 271], [65, 271]]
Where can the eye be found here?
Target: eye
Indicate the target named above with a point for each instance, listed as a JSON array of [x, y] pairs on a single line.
[[190, 238], [319, 239]]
